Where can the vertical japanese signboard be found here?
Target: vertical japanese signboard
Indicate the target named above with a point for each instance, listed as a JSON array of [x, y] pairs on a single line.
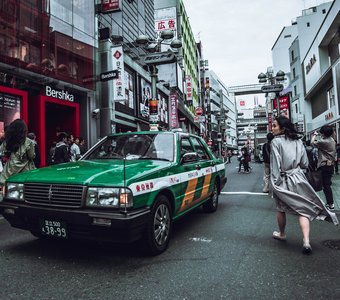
[[173, 110], [188, 89], [118, 64]]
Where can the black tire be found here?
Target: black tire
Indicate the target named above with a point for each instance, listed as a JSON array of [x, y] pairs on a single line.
[[159, 227], [212, 204]]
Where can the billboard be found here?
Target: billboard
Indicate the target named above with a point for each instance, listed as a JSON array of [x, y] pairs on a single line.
[[284, 105], [109, 6]]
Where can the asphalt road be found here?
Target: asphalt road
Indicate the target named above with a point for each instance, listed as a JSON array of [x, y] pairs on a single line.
[[224, 255]]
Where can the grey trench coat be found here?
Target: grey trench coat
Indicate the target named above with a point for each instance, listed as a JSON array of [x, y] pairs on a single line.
[[291, 190]]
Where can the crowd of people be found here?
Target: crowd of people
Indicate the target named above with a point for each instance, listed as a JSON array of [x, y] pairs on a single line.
[[20, 152]]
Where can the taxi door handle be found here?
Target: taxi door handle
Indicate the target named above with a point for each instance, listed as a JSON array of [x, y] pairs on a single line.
[[198, 167]]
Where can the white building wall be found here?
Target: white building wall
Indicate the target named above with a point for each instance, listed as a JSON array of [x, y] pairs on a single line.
[[313, 17], [280, 53]]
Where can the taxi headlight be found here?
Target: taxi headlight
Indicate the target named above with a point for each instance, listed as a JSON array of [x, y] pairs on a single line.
[[109, 197], [14, 191]]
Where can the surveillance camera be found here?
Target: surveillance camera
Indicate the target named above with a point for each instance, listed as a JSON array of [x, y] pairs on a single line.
[[95, 112]]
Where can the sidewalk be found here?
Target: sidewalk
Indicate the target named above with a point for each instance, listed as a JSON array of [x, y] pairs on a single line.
[[336, 192]]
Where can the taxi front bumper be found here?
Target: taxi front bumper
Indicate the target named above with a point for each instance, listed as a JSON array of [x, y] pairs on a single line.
[[84, 223]]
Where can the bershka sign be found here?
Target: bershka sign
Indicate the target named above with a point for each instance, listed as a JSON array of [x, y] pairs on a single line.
[[63, 95]]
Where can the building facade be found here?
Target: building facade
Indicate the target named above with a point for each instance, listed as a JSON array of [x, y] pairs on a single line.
[[46, 53]]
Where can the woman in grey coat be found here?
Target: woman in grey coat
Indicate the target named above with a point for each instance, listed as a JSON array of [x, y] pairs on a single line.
[[291, 190]]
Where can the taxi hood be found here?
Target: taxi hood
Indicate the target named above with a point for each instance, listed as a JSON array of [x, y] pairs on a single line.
[[94, 172]]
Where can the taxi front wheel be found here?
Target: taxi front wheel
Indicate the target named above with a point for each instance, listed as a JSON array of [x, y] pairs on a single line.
[[212, 204], [159, 227]]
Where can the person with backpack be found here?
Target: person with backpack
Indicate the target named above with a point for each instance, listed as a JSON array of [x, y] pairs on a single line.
[[266, 162], [61, 152], [244, 160], [312, 154]]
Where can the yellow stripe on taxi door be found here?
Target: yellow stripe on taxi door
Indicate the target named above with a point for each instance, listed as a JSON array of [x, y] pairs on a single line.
[[206, 185], [189, 194]]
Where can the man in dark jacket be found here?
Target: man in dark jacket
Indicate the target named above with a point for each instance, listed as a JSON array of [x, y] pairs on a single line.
[[61, 153], [266, 162]]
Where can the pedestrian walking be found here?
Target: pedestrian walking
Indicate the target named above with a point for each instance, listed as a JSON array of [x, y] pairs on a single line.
[[244, 160], [312, 154], [73, 148], [61, 152], [33, 137], [19, 150], [51, 154], [229, 155], [325, 144], [337, 159], [266, 162], [291, 190]]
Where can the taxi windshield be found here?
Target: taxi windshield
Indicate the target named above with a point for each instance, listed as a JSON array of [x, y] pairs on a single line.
[[135, 146]]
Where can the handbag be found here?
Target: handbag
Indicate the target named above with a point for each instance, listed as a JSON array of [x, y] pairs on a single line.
[[315, 179]]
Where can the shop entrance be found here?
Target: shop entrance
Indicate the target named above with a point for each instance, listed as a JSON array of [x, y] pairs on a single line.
[[58, 118], [49, 116]]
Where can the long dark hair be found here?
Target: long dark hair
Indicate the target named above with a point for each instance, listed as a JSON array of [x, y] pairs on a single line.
[[288, 128], [15, 135]]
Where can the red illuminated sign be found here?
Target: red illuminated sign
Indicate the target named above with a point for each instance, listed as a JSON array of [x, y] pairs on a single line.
[[284, 105], [242, 103], [111, 5]]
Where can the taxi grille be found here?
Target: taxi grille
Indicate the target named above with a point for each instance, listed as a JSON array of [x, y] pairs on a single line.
[[54, 194]]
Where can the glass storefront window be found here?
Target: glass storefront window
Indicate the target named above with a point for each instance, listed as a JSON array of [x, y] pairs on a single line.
[[129, 89], [61, 9], [83, 12]]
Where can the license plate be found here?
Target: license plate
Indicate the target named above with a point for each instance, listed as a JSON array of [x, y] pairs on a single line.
[[53, 228]]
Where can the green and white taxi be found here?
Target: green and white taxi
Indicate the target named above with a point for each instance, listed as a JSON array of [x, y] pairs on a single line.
[[127, 187]]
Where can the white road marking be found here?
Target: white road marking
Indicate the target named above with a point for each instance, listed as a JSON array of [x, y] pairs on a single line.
[[205, 240], [242, 193]]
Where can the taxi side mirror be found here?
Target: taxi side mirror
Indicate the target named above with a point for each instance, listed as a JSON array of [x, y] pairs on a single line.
[[189, 157]]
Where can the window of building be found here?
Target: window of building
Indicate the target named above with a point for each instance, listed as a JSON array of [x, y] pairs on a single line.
[[296, 108], [287, 36], [323, 11], [331, 97], [295, 90], [293, 55], [308, 24], [294, 73]]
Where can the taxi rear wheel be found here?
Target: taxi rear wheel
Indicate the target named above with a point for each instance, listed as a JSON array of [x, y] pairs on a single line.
[[159, 227], [212, 204]]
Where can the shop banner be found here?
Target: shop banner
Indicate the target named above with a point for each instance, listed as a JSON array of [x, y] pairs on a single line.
[[188, 89], [109, 6], [173, 110], [284, 105], [118, 64]]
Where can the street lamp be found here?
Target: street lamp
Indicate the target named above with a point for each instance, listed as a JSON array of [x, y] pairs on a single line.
[[154, 58], [274, 84]]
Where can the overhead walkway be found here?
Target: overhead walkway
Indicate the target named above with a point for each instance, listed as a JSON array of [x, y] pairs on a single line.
[[246, 89]]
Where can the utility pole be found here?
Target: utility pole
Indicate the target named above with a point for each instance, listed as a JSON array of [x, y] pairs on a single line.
[[106, 99]]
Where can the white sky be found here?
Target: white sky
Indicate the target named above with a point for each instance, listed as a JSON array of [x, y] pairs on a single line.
[[237, 35]]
